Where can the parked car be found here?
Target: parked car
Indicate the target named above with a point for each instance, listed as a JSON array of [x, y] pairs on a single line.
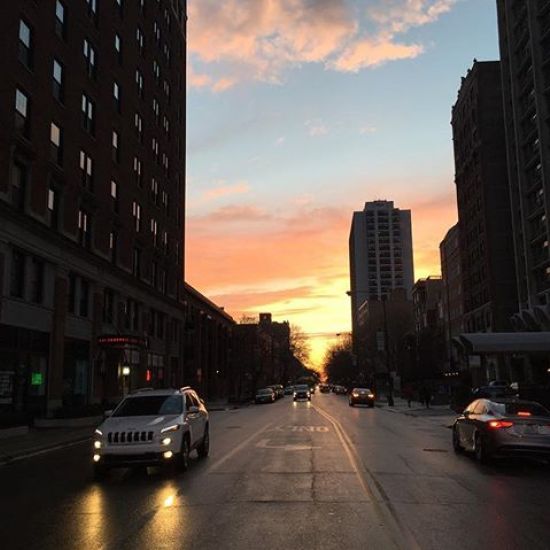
[[361, 396], [265, 395], [301, 391], [152, 428], [278, 390], [500, 427], [324, 388]]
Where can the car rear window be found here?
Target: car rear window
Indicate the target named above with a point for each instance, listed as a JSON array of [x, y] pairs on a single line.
[[301, 388], [265, 392], [512, 409], [151, 405]]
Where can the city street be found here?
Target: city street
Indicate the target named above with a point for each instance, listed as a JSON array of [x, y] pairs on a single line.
[[302, 475]]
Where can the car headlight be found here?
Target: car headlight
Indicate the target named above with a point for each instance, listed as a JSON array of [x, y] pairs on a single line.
[[355, 394], [371, 395], [97, 444], [166, 441], [98, 432], [172, 428]]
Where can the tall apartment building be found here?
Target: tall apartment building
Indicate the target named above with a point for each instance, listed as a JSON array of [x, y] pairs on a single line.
[[484, 219], [524, 34], [92, 164], [380, 252]]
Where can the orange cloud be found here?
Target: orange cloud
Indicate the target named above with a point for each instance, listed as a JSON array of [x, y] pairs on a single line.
[[225, 190], [238, 40]]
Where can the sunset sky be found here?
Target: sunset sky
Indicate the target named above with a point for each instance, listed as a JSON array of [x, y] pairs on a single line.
[[300, 111]]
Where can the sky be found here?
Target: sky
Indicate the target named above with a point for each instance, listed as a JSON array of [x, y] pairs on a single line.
[[299, 112]]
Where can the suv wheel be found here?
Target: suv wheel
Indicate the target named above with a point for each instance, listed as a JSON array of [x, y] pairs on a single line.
[[183, 458], [204, 448]]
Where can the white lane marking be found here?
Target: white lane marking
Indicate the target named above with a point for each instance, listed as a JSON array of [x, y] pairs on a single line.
[[264, 444], [238, 448], [317, 429], [5, 460], [387, 512]]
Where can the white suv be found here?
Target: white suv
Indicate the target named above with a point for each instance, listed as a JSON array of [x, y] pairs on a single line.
[[151, 428]]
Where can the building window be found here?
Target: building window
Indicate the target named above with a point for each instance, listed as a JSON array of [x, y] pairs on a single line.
[[155, 148], [165, 163], [22, 113], [156, 71], [156, 109], [57, 82], [116, 146], [116, 95], [154, 191], [17, 285], [37, 281], [87, 108], [166, 87], [166, 51], [90, 59], [86, 171], [165, 242], [139, 82], [140, 40], [162, 281], [160, 325], [25, 44], [118, 47], [136, 263], [19, 186], [138, 126], [84, 298], [114, 195], [120, 7], [56, 144], [136, 213], [60, 26], [84, 228], [108, 305], [154, 274], [165, 200], [166, 125], [154, 231], [156, 32], [92, 9], [53, 206], [113, 242], [137, 172]]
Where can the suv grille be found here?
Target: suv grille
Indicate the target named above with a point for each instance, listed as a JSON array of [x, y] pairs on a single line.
[[129, 437]]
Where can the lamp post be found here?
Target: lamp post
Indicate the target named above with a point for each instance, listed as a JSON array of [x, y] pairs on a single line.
[[387, 352]]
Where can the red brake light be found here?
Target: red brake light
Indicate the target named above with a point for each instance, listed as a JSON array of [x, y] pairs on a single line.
[[498, 424], [524, 413]]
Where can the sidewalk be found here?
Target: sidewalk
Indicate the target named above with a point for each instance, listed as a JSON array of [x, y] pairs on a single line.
[[438, 414], [38, 441]]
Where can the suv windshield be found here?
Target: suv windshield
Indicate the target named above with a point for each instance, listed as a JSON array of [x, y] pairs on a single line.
[[151, 405]]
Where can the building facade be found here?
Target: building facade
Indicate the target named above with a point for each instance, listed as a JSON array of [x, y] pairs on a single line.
[[524, 36], [380, 253], [92, 189], [484, 218], [451, 294]]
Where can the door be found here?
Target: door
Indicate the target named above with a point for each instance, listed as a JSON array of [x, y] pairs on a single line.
[[193, 420], [466, 426]]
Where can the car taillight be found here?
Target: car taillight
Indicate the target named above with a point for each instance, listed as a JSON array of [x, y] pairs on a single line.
[[524, 413], [498, 424]]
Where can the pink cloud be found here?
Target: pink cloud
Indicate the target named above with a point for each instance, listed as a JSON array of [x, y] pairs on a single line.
[[238, 40], [226, 190]]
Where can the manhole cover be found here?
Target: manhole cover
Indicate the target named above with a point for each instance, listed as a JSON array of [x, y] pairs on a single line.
[[435, 450]]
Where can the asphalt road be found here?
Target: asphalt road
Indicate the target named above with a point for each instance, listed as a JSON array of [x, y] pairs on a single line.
[[287, 475]]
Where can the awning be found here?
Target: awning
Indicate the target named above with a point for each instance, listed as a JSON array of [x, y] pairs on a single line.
[[503, 342]]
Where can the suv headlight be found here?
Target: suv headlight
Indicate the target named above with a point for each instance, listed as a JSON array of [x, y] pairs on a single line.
[[172, 428]]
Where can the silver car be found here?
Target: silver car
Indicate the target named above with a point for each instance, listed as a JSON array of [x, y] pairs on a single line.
[[503, 427]]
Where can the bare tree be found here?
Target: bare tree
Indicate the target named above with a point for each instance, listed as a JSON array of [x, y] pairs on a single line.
[[299, 344]]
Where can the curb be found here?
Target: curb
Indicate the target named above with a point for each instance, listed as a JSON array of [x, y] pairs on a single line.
[[29, 453], [5, 433]]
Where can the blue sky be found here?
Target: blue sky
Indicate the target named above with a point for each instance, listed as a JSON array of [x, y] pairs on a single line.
[[299, 111]]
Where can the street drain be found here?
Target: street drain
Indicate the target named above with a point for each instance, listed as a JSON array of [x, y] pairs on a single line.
[[435, 450]]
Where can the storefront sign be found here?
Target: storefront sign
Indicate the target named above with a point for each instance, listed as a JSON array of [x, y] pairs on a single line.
[[37, 379], [122, 340], [6, 387]]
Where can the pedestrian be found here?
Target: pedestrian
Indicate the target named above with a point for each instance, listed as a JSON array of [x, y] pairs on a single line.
[[408, 394], [425, 396]]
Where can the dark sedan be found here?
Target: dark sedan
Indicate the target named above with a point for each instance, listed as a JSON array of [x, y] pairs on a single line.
[[361, 396], [500, 427], [301, 391], [265, 395]]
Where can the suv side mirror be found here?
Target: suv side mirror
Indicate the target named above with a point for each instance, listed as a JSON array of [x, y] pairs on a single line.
[[466, 413], [108, 413], [193, 409]]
